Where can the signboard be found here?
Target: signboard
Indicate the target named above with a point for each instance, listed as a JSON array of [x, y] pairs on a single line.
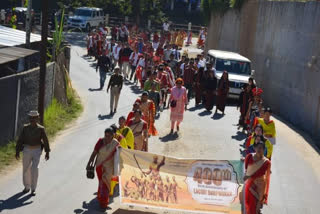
[[201, 186]]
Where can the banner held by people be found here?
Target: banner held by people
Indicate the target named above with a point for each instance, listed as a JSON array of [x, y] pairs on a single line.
[[182, 184]]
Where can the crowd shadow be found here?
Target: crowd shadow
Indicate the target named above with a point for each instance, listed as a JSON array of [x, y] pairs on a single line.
[[123, 211], [90, 207], [217, 116], [205, 113], [169, 137], [240, 136], [105, 117], [135, 89], [95, 89], [195, 108], [15, 202]]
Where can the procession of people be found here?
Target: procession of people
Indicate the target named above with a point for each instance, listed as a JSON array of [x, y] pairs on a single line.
[[168, 79]]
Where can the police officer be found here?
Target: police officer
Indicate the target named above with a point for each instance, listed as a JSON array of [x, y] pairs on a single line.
[[115, 83], [31, 141]]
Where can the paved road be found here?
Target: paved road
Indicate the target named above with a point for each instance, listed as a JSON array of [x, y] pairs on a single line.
[[63, 187]]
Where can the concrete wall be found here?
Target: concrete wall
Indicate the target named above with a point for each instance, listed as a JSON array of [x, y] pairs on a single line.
[[283, 41], [29, 92]]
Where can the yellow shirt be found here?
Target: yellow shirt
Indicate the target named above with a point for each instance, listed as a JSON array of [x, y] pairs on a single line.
[[128, 136], [268, 129], [268, 144]]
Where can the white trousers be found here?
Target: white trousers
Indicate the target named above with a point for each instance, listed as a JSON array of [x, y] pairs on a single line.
[[30, 163], [125, 69], [114, 98]]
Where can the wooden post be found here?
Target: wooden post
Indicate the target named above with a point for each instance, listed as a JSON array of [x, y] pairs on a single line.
[[28, 24], [43, 58]]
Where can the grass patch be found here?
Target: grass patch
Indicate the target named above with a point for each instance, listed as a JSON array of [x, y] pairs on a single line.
[[56, 117], [7, 154]]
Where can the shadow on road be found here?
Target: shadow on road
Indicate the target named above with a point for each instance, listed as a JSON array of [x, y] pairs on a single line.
[[169, 137], [122, 211], [105, 117], [195, 108], [15, 202], [205, 113], [240, 136], [94, 89], [135, 89], [217, 116]]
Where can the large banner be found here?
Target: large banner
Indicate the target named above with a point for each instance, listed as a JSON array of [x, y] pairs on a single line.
[[181, 184]]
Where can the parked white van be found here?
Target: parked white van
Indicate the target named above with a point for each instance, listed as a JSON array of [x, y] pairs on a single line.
[[86, 18], [238, 67]]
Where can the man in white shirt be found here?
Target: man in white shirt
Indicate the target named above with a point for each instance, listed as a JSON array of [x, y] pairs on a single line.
[[115, 53], [133, 61], [167, 53], [166, 26]]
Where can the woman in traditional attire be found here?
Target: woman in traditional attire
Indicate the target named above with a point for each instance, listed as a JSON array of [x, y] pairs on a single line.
[[267, 124], [256, 137], [105, 158], [139, 128], [178, 103], [130, 116], [257, 178], [198, 85], [223, 90], [189, 38], [174, 35], [180, 38], [243, 104], [210, 89], [148, 109], [201, 39], [254, 109]]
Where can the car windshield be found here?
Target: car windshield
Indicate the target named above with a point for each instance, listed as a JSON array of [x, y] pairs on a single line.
[[233, 66], [81, 12]]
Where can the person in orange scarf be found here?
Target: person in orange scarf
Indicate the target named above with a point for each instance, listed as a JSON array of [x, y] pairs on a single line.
[[148, 109]]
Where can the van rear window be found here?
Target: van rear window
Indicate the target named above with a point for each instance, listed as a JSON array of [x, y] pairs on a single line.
[[232, 66]]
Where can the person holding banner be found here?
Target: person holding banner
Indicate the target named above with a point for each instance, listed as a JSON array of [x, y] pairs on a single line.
[[139, 128], [257, 177], [105, 158]]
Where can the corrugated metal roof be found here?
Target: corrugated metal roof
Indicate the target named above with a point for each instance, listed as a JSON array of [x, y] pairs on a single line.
[[9, 54], [13, 37]]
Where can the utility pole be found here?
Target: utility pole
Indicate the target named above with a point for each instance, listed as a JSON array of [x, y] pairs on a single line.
[[43, 58], [28, 24]]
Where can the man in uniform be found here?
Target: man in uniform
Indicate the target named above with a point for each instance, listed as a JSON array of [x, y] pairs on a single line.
[[104, 63], [31, 141], [115, 83]]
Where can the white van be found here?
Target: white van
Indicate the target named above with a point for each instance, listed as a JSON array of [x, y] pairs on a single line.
[[237, 66], [86, 18]]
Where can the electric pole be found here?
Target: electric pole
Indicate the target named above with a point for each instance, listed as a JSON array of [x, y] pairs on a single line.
[[43, 58], [28, 24]]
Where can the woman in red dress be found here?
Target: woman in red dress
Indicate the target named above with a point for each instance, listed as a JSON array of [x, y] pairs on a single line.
[[257, 178], [105, 159]]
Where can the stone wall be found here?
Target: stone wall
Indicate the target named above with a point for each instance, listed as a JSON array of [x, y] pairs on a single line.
[[283, 41], [26, 100]]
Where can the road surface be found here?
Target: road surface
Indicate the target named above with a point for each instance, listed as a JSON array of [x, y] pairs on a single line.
[[63, 187]]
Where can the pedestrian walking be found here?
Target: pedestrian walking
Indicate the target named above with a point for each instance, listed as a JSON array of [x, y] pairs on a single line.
[[257, 179], [115, 84], [223, 90], [210, 89], [126, 132], [31, 142], [105, 159], [104, 63], [139, 128], [178, 103], [125, 54], [133, 61]]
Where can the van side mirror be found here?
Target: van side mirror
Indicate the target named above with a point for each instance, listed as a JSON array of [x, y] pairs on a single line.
[[252, 72]]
